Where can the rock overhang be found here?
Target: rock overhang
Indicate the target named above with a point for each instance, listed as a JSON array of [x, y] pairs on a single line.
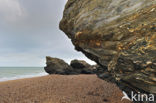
[[119, 35]]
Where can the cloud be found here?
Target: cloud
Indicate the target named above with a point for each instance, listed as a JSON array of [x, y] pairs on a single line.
[[37, 58], [11, 10], [29, 31], [21, 59]]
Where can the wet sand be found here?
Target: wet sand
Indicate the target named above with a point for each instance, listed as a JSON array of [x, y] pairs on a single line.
[[60, 89]]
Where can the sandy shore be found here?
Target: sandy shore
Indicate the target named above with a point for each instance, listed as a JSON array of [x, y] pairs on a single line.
[[60, 89]]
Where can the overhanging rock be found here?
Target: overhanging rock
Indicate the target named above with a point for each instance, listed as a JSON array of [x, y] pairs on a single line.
[[120, 35]]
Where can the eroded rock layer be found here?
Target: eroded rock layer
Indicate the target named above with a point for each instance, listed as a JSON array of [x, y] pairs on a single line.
[[120, 35], [59, 66]]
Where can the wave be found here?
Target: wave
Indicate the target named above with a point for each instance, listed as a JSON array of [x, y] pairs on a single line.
[[22, 76]]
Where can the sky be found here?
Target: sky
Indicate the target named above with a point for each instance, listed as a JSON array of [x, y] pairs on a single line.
[[29, 31]]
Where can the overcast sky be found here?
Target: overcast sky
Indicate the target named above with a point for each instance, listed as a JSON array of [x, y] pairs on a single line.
[[29, 31]]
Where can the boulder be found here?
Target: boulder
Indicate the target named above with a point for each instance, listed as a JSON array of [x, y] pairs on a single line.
[[57, 66], [82, 67], [120, 36], [79, 64]]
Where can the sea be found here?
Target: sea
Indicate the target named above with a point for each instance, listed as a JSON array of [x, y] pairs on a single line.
[[13, 73]]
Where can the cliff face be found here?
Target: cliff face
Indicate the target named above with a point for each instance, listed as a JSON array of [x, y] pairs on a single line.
[[120, 35]]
